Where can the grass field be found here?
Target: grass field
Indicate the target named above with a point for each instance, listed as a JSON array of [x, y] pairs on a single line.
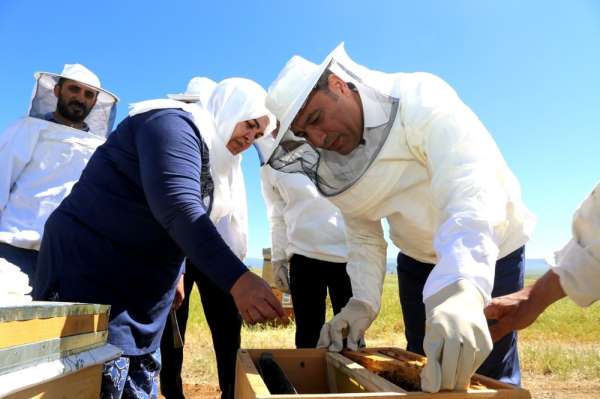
[[560, 353]]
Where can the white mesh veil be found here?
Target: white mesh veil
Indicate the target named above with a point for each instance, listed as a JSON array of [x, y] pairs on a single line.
[[332, 172]]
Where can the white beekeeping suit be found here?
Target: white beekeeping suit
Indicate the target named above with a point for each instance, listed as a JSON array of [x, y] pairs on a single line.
[[426, 164], [41, 160], [578, 263]]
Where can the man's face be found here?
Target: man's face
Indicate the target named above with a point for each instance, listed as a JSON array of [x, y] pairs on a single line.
[[331, 118], [245, 132], [75, 100]]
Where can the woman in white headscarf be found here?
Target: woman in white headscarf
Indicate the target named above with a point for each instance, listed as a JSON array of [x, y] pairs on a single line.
[[239, 116]]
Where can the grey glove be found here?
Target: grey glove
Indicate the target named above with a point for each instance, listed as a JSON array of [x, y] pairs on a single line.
[[281, 275], [356, 317], [457, 338]]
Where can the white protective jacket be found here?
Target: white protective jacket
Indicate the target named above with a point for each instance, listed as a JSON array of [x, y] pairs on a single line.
[[40, 161], [302, 221], [578, 263], [437, 154]]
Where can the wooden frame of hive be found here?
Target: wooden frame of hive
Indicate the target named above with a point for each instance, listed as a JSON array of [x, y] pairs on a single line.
[[318, 374]]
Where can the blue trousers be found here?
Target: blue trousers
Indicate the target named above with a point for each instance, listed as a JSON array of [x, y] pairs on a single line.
[[25, 259], [131, 377], [503, 363]]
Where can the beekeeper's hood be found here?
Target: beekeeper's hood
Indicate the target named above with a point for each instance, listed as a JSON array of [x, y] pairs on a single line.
[[331, 172], [102, 116], [198, 90]]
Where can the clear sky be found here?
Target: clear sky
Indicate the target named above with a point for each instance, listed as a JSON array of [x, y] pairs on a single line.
[[529, 69]]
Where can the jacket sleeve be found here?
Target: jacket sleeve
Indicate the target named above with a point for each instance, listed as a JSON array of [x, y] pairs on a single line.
[[578, 263], [467, 185], [170, 166], [275, 205], [366, 260], [17, 144]]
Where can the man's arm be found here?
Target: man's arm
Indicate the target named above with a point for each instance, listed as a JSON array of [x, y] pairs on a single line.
[[17, 144], [468, 178], [275, 205], [279, 240], [520, 309], [366, 268], [468, 182], [578, 263], [576, 274]]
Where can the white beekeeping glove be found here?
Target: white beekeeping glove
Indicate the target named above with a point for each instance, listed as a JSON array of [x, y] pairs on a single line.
[[356, 317], [457, 338], [281, 275]]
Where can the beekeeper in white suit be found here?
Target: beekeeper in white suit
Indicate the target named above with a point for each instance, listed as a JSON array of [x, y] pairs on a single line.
[[42, 155], [405, 148]]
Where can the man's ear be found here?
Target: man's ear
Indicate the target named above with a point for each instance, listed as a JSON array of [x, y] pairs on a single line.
[[337, 85], [57, 88]]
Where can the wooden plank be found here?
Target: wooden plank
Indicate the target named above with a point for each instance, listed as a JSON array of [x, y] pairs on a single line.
[[368, 381], [248, 382], [22, 332], [83, 384], [46, 310], [15, 357]]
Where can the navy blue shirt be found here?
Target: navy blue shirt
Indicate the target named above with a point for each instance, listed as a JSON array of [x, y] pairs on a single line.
[[120, 237]]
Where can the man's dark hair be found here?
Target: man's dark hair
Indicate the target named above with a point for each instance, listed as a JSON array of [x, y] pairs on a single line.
[[61, 81], [323, 82]]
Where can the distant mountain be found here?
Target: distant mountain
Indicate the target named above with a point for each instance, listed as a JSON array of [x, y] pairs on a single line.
[[533, 267]]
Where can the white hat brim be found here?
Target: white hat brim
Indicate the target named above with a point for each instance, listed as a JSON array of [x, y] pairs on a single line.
[[299, 101], [38, 74]]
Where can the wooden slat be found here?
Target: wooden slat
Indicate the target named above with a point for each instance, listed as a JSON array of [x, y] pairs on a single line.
[[370, 382], [14, 333], [15, 357], [248, 382], [83, 384]]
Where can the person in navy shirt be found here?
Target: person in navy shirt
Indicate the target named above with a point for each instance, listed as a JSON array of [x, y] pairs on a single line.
[[142, 204]]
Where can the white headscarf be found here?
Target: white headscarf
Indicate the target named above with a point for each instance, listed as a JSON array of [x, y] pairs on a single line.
[[234, 100]]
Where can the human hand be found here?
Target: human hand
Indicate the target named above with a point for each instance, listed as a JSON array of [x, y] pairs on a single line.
[[353, 319], [281, 273], [457, 340], [255, 300]]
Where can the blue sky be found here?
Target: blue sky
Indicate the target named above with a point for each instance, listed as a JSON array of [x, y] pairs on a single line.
[[530, 70]]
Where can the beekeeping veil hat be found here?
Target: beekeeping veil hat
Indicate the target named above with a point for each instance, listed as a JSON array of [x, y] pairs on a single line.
[[331, 172], [199, 89], [102, 116]]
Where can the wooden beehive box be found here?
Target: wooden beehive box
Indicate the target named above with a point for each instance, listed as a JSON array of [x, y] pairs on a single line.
[[53, 349], [316, 374]]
